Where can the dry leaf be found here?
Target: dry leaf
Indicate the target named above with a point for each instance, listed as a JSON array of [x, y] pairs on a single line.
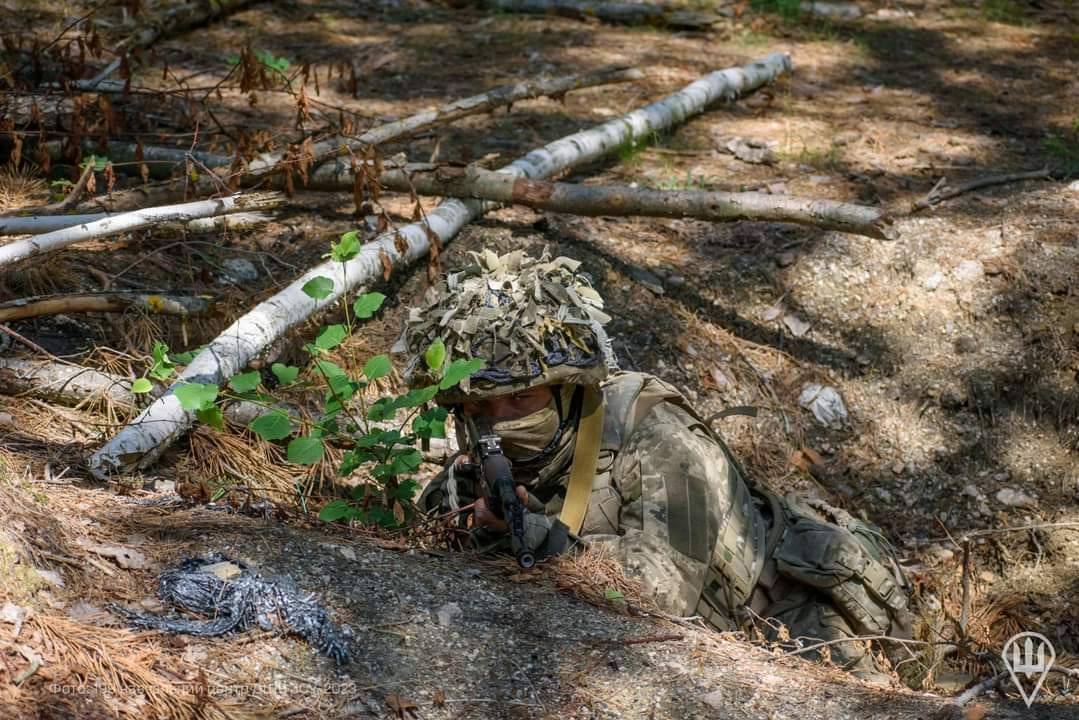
[[402, 707], [125, 557], [976, 711], [439, 698], [387, 264]]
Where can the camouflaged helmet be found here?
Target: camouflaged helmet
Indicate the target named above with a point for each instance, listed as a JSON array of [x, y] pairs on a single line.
[[534, 322]]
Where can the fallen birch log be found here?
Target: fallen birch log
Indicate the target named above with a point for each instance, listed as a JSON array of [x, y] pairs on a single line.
[[327, 150], [38, 224], [150, 303], [136, 220], [62, 383], [141, 442], [618, 13], [478, 183]]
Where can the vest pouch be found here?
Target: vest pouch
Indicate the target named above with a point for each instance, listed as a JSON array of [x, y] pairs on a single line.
[[834, 560]]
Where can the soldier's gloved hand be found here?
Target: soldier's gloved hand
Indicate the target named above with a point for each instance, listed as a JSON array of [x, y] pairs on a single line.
[[486, 518]]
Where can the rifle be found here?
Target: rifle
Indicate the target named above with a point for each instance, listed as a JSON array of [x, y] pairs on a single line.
[[495, 470]]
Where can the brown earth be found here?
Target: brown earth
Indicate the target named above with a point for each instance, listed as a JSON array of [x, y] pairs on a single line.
[[955, 348]]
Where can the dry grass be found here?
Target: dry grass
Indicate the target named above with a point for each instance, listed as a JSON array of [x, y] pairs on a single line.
[[21, 187], [595, 576]]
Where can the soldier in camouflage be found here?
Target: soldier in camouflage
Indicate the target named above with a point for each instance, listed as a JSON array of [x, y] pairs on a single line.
[[620, 459]]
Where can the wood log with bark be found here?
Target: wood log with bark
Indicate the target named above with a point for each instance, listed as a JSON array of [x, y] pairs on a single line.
[[478, 183], [50, 242], [611, 11], [150, 303], [65, 383], [141, 442]]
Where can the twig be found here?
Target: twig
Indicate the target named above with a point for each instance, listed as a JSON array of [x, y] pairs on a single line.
[[28, 343], [999, 531], [26, 674], [941, 191], [964, 613], [72, 198], [857, 638], [645, 640], [982, 687]]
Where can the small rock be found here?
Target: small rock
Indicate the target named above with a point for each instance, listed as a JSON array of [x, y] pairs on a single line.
[[796, 325], [6, 419], [1015, 498], [347, 553], [676, 280], [126, 558], [15, 615], [938, 554], [646, 278], [987, 576], [932, 282], [223, 570], [832, 10], [239, 270], [83, 611], [777, 188], [965, 345], [757, 152], [719, 378], [968, 271], [825, 403], [786, 259], [1074, 186], [821, 179], [51, 577], [165, 486], [449, 613]]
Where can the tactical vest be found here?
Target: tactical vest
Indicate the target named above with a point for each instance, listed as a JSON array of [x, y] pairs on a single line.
[[740, 547]]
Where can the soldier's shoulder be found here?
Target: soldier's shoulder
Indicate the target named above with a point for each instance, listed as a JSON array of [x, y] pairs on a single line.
[[633, 399]]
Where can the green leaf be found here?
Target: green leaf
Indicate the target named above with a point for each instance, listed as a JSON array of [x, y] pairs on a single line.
[[211, 416], [381, 409], [336, 510], [376, 367], [341, 388], [162, 368], [366, 305], [245, 382], [142, 385], [435, 356], [348, 248], [352, 459], [330, 337], [274, 425], [318, 288], [285, 374], [458, 371], [359, 491], [614, 596], [406, 461], [329, 369], [417, 397], [381, 516], [305, 450], [406, 491], [196, 396]]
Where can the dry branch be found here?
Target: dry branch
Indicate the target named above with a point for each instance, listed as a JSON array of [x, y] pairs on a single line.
[[942, 191], [268, 163], [138, 219], [62, 382], [142, 441], [475, 182], [619, 13], [154, 304]]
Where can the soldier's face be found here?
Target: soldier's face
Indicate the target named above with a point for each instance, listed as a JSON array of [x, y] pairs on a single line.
[[511, 406]]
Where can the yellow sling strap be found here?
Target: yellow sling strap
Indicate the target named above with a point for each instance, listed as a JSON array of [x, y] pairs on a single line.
[[585, 455]]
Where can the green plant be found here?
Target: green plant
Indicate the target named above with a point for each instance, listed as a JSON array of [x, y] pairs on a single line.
[[1004, 11], [379, 436], [787, 9]]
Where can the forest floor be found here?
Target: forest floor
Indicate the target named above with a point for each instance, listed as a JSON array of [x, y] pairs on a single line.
[[955, 349]]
